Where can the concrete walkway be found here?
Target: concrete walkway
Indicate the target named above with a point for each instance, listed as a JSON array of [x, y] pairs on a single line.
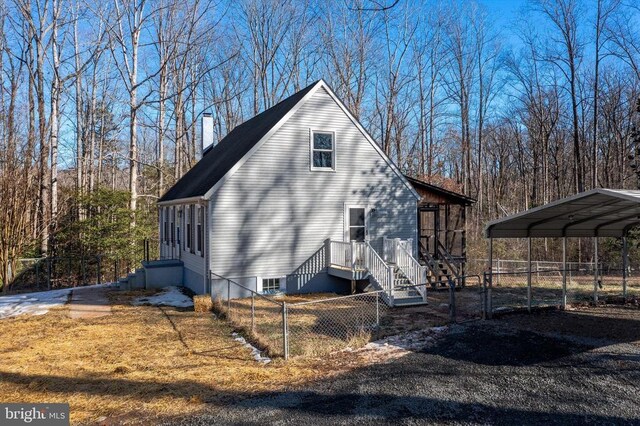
[[90, 302]]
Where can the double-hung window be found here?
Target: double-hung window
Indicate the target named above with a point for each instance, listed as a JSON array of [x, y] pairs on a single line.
[[199, 233], [188, 222], [173, 226], [165, 230], [323, 150]]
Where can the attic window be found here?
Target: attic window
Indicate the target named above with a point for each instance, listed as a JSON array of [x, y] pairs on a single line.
[[323, 150]]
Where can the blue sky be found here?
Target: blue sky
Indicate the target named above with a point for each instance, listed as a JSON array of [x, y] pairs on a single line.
[[505, 13]]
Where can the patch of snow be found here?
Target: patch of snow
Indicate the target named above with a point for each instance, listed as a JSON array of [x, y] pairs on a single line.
[[169, 296], [401, 344], [255, 352], [37, 303]]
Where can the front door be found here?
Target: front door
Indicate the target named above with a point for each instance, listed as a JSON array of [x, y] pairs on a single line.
[[356, 223]]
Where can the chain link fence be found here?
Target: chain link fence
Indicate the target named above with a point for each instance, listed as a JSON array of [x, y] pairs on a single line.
[[320, 327], [259, 317], [511, 291], [284, 326], [46, 273]]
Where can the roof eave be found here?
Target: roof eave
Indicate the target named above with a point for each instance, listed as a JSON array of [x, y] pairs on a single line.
[[188, 200]]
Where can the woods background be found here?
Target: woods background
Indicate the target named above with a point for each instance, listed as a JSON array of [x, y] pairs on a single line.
[[100, 102]]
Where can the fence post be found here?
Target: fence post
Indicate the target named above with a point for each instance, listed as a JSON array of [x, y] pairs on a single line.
[[38, 274], [625, 265], [488, 295], [595, 271], [452, 301], [483, 296], [285, 331], [99, 270], [115, 271], [378, 309], [229, 299], [529, 274], [253, 313], [49, 273]]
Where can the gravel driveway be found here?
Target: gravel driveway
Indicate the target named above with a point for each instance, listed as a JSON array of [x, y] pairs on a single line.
[[576, 367]]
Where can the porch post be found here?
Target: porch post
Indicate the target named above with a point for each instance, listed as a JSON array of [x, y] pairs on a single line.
[[529, 274], [564, 272], [595, 271], [625, 265], [353, 256], [488, 302], [327, 252]]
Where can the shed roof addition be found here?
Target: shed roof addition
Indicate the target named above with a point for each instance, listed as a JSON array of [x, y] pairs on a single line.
[[598, 212], [453, 197]]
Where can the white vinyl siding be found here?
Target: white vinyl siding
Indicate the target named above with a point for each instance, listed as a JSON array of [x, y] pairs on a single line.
[[274, 213]]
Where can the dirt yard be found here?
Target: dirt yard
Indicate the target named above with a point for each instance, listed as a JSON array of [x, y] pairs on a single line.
[[137, 364]]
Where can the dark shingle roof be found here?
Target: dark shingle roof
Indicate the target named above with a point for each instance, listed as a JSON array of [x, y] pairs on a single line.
[[218, 160]]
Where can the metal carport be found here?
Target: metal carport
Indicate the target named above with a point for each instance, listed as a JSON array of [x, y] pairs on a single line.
[[596, 213]]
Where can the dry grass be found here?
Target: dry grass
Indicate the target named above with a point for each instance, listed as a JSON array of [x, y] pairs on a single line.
[[314, 330], [139, 363], [202, 303]]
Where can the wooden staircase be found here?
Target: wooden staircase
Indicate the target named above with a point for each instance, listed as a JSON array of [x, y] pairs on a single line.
[[402, 279], [441, 271]]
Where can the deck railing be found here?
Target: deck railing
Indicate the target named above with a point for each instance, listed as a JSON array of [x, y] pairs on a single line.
[[390, 248], [351, 255], [340, 253]]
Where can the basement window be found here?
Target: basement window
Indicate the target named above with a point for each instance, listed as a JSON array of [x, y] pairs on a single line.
[[270, 285], [323, 150]]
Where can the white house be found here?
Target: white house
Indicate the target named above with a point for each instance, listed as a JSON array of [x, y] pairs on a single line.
[[276, 203]]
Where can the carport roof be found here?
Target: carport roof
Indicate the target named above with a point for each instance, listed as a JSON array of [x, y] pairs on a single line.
[[599, 212]]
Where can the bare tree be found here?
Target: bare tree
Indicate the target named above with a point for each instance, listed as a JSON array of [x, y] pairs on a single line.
[[566, 53]]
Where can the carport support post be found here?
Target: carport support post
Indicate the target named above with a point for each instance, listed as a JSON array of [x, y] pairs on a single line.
[[625, 265], [529, 274], [488, 303], [595, 270], [564, 272]]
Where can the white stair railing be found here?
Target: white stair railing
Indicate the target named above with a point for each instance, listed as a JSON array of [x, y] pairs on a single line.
[[379, 270], [412, 269], [360, 256], [389, 249]]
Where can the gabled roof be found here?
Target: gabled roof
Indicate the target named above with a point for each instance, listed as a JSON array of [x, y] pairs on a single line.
[[598, 212], [455, 197], [217, 161], [221, 161]]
